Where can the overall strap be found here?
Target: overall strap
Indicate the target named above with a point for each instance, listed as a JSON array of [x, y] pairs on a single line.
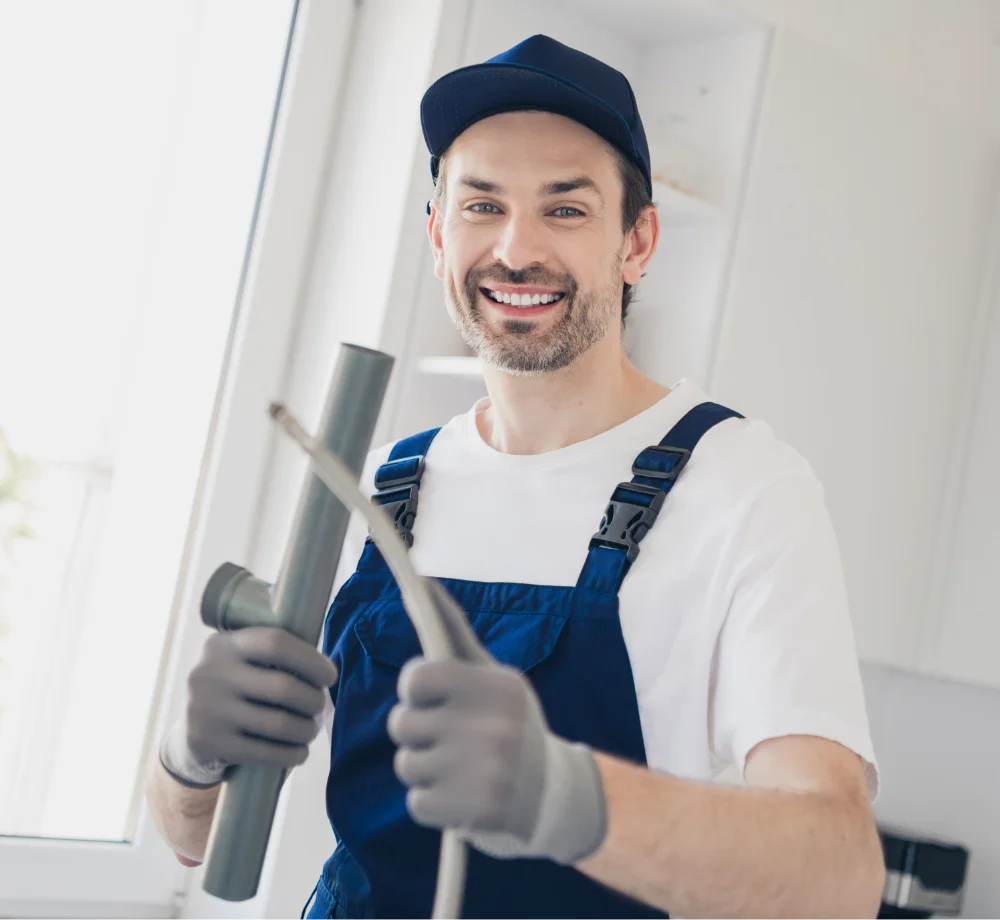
[[397, 482], [634, 505]]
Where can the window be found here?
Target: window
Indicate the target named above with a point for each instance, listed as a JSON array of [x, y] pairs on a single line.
[[140, 130], [135, 137]]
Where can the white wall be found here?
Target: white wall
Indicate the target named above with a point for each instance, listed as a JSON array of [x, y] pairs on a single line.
[[946, 52], [937, 742], [938, 746], [857, 275], [967, 648]]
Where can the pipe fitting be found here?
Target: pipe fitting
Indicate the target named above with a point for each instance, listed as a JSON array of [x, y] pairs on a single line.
[[234, 598]]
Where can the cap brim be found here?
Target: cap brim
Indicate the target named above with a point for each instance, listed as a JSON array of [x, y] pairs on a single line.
[[461, 98]]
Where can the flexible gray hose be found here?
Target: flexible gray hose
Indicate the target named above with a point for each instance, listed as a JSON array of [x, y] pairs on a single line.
[[420, 607]]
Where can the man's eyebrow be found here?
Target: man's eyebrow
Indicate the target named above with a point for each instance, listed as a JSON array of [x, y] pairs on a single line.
[[548, 188], [480, 185], [571, 185]]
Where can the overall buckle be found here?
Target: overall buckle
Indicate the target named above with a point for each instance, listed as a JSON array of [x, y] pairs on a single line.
[[397, 482], [629, 515], [401, 506]]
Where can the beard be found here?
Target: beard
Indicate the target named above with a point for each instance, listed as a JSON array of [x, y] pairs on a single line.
[[520, 347]]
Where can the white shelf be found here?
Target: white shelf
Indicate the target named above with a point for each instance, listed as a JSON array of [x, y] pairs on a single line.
[[675, 205], [467, 368]]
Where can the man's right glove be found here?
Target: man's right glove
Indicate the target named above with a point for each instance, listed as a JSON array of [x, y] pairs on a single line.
[[254, 697], [475, 753]]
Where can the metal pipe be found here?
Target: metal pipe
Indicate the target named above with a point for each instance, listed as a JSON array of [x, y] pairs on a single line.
[[244, 814]]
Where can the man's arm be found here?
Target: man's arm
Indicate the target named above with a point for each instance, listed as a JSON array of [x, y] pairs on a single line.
[[183, 814], [799, 842], [477, 755]]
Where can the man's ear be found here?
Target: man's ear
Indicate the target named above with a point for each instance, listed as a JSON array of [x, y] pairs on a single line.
[[435, 224], [643, 239]]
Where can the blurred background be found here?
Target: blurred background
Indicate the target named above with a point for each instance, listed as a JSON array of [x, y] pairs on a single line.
[[200, 199]]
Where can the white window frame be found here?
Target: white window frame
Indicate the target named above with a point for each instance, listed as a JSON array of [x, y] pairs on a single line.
[[370, 251], [42, 877]]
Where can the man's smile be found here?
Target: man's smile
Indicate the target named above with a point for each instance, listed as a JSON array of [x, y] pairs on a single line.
[[521, 300]]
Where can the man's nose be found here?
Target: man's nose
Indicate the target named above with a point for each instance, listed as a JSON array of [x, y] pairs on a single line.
[[521, 243]]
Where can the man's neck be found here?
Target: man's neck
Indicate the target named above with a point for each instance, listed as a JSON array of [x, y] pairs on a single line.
[[534, 415]]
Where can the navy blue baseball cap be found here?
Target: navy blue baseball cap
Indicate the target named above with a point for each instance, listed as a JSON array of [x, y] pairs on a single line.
[[538, 73]]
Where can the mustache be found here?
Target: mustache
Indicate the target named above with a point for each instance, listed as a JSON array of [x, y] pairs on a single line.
[[500, 274]]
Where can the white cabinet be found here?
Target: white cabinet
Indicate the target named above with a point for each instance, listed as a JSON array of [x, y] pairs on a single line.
[[853, 296], [964, 643]]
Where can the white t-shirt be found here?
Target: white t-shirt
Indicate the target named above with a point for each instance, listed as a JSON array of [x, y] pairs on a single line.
[[734, 614]]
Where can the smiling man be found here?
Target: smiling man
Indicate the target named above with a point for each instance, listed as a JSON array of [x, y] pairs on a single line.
[[615, 666]]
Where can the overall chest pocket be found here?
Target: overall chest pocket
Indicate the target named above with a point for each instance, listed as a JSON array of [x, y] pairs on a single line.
[[518, 639]]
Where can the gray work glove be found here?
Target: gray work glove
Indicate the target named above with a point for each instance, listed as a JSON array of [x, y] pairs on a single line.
[[477, 754], [253, 697]]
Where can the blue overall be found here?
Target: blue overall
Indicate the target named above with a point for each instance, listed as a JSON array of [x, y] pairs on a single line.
[[567, 640]]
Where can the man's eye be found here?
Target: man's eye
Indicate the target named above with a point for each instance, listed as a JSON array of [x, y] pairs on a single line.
[[560, 212], [479, 207]]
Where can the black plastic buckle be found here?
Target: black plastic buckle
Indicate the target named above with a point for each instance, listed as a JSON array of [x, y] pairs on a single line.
[[669, 475], [401, 506], [625, 522]]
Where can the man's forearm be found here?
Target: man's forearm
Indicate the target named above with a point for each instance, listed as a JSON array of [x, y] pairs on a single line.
[[183, 815], [695, 849]]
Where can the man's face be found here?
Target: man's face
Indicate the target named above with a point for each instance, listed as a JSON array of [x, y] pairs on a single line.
[[532, 213]]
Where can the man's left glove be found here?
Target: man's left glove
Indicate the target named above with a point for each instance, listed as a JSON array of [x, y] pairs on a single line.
[[477, 754]]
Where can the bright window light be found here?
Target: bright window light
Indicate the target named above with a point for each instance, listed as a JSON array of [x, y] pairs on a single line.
[[135, 135]]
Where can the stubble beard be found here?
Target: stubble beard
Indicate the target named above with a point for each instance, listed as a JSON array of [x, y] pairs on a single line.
[[515, 346]]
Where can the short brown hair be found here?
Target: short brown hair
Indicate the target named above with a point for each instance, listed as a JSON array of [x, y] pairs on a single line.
[[635, 197]]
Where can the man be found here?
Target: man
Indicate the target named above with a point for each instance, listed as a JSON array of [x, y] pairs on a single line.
[[601, 687]]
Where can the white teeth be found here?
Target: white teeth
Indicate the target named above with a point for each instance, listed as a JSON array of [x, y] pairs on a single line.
[[523, 300]]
